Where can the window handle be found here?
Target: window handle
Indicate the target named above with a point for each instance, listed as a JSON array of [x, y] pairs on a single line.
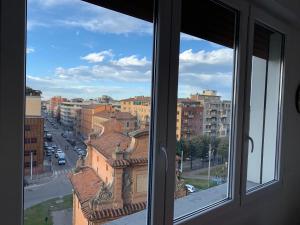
[[252, 143], [164, 150]]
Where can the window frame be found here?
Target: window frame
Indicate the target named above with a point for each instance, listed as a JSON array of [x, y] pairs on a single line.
[[213, 213], [268, 190], [12, 83]]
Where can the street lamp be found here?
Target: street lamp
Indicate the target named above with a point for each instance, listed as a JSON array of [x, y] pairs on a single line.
[[210, 152]]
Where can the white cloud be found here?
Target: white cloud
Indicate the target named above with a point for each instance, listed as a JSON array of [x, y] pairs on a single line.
[[101, 20], [220, 57], [131, 61], [97, 57], [31, 24], [30, 50], [187, 37], [51, 3]]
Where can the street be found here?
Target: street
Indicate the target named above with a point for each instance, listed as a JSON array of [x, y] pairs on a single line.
[[57, 184]]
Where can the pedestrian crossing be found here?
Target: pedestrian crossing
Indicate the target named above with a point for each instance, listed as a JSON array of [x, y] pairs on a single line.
[[62, 172]]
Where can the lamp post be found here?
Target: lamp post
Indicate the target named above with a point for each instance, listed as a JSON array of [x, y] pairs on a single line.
[[210, 152], [31, 162]]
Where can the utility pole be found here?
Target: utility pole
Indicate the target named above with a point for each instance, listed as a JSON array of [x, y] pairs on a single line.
[[31, 162], [209, 157]]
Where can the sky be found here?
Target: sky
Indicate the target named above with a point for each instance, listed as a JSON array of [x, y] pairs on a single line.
[[76, 49]]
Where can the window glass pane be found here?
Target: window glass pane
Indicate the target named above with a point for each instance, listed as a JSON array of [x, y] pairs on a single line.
[[264, 107], [87, 116], [204, 107]]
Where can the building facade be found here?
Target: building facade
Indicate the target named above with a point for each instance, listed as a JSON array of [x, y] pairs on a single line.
[[189, 114], [189, 119], [87, 113], [138, 106], [123, 122], [68, 113], [54, 106], [34, 135], [112, 181], [216, 113]]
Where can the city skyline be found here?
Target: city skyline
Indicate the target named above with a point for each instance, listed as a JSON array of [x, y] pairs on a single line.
[[89, 52]]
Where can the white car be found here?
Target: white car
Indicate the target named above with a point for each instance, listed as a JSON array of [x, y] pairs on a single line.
[[190, 188], [58, 151]]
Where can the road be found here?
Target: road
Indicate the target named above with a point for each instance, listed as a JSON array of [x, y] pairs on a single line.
[[59, 184]]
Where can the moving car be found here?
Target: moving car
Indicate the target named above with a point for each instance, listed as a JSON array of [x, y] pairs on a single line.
[[61, 158]]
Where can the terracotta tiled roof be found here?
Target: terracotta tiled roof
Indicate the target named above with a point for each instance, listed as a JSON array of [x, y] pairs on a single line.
[[117, 115], [115, 213], [136, 161], [107, 143], [118, 162], [85, 183], [137, 98]]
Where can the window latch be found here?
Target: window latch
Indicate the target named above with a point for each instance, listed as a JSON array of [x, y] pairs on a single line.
[[164, 150], [252, 143]]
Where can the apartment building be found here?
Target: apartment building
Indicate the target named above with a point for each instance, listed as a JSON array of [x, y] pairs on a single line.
[[34, 134], [189, 114], [189, 119], [68, 113], [87, 113], [54, 106], [216, 113], [138, 106]]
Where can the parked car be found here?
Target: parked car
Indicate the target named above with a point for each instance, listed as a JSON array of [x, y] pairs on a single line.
[[57, 152], [49, 137], [82, 152], [51, 149], [190, 188], [48, 153]]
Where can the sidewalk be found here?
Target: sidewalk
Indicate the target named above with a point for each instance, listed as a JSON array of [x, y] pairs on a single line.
[[42, 178], [62, 217]]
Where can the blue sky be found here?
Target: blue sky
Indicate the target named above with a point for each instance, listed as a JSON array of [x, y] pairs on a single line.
[[75, 49]]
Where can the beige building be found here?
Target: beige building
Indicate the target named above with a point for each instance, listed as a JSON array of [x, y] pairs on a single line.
[[112, 181], [139, 106], [123, 122], [69, 111], [33, 135]]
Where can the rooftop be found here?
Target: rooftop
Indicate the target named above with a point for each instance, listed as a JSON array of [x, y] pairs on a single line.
[[137, 98], [86, 183], [107, 143], [117, 115]]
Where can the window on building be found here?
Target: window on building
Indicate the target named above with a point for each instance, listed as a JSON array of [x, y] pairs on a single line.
[[33, 140], [265, 107], [27, 127]]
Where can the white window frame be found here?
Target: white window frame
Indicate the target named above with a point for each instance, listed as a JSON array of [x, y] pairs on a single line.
[[213, 214], [267, 191], [12, 83]]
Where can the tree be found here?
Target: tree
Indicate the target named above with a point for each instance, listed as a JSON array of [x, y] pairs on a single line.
[[223, 149]]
